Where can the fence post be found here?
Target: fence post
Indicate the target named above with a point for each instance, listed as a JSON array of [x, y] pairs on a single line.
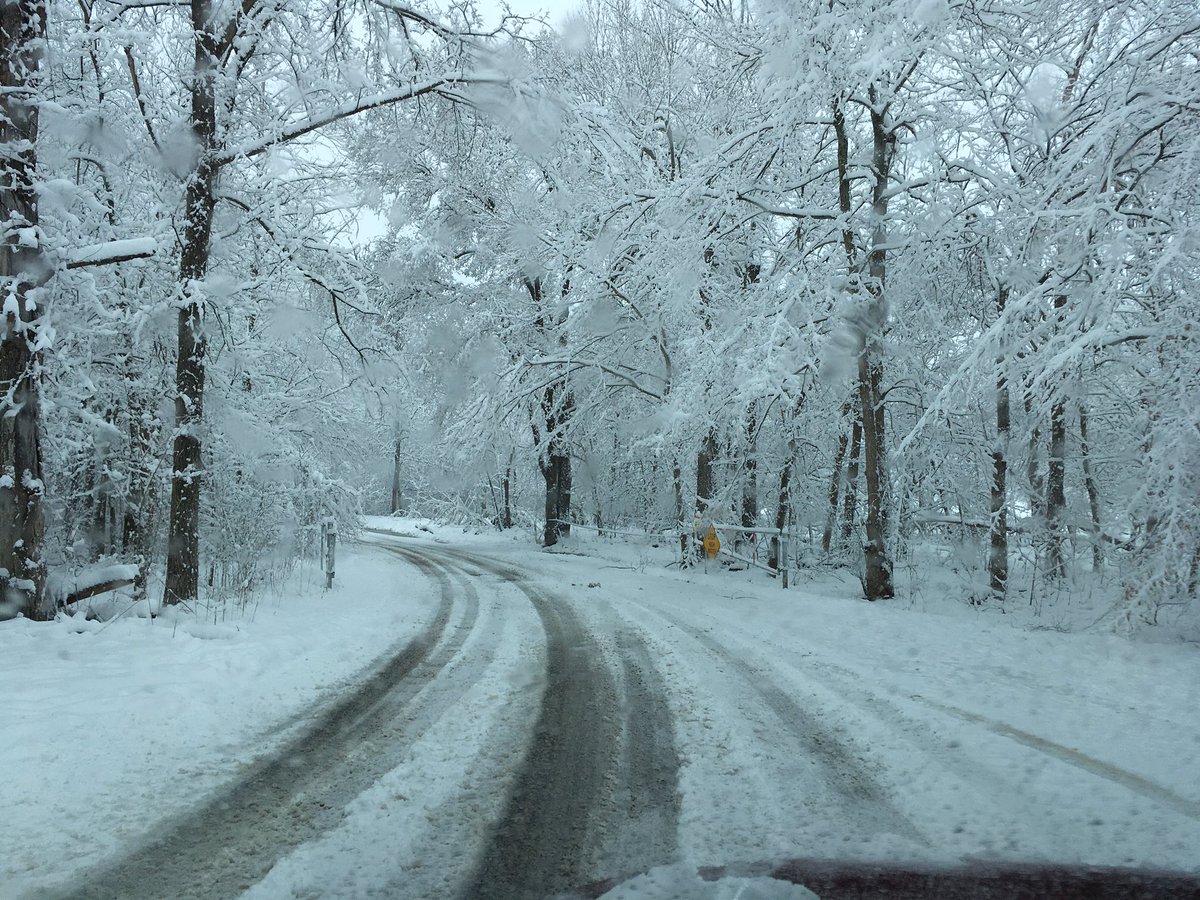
[[329, 533]]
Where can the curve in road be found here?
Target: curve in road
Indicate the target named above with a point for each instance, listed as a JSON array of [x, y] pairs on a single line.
[[230, 843]]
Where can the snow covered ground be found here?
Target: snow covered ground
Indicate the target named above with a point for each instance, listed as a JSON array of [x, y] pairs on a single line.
[[108, 729], [802, 723]]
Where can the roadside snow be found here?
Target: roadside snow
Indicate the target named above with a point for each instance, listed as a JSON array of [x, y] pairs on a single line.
[[107, 729]]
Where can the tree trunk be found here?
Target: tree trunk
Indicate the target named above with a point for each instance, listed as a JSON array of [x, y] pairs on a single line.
[[397, 458], [562, 490], [99, 532], [557, 407], [750, 485], [781, 506], [1056, 500], [877, 581], [550, 508], [23, 271], [835, 484], [677, 484], [556, 472], [998, 549], [1093, 493], [878, 568], [704, 473], [1033, 474], [850, 504], [871, 320], [677, 487], [183, 541], [507, 489], [598, 517]]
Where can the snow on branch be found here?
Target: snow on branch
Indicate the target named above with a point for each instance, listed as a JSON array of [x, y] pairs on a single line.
[[112, 252], [347, 110], [784, 212], [577, 364]]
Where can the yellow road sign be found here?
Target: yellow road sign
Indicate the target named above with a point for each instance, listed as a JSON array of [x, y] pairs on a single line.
[[712, 543]]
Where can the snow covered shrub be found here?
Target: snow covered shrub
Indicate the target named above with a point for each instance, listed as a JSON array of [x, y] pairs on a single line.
[[243, 521], [1165, 569]]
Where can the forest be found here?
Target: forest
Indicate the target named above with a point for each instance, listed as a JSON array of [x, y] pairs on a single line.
[[917, 281]]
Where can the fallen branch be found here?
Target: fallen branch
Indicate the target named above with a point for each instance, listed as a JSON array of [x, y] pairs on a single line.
[[92, 590]]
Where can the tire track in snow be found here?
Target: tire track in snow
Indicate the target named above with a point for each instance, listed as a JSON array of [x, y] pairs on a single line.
[[842, 768], [1115, 774], [645, 805], [1060, 752], [880, 703], [225, 846], [598, 784], [544, 841]]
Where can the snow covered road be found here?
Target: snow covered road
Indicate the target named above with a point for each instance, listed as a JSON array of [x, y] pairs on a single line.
[[561, 721]]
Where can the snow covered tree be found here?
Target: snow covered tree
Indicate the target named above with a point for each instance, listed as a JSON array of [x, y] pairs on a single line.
[[234, 115], [23, 272]]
